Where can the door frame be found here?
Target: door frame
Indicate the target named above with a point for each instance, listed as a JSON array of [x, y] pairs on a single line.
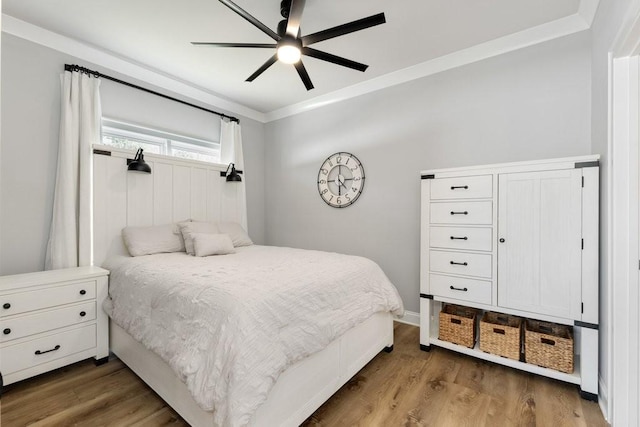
[[623, 256]]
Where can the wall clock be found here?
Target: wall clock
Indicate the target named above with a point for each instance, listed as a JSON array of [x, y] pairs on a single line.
[[341, 180]]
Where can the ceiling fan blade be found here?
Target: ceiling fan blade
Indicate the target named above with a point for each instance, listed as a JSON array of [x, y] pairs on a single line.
[[334, 59], [295, 17], [240, 11], [263, 68], [304, 76], [256, 45], [343, 29]]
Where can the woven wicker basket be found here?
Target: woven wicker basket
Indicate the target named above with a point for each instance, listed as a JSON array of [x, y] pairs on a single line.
[[458, 325], [549, 345], [500, 335]]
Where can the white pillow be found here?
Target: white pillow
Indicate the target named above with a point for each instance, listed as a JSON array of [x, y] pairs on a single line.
[[206, 244], [153, 240], [239, 237], [196, 227]]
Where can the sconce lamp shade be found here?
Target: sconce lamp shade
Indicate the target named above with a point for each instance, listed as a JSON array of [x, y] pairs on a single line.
[[138, 164], [234, 175]]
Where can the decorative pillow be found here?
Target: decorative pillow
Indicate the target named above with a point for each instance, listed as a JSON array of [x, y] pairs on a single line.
[[239, 237], [153, 240], [206, 244], [196, 227]]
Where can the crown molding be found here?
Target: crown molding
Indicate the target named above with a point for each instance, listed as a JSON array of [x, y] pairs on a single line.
[[580, 21], [529, 37], [85, 52]]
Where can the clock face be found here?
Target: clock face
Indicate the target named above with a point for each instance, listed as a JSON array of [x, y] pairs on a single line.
[[340, 180]]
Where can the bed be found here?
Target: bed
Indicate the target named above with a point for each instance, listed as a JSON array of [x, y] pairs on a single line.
[[321, 316]]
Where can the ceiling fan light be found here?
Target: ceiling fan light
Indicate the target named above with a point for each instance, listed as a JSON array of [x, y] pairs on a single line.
[[289, 54]]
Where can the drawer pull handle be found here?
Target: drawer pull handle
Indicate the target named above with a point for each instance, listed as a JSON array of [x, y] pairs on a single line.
[[82, 292], [547, 341], [459, 238], [458, 263], [38, 352], [498, 331], [6, 306], [7, 331], [456, 321], [453, 288], [83, 313], [459, 213], [456, 187]]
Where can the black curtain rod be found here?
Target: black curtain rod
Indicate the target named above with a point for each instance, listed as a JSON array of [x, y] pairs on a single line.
[[74, 67]]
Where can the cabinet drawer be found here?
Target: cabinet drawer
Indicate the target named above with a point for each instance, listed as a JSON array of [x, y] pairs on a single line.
[[479, 213], [22, 302], [467, 264], [22, 356], [22, 326], [473, 239], [460, 288], [464, 187]]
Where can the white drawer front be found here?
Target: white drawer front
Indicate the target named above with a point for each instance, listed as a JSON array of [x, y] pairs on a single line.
[[479, 213], [22, 326], [467, 264], [464, 187], [22, 302], [22, 356], [460, 288], [473, 239]]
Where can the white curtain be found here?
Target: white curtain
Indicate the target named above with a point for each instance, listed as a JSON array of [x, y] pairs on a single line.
[[80, 114], [234, 198]]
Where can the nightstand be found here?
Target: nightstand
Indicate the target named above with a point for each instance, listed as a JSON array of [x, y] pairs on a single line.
[[50, 319]]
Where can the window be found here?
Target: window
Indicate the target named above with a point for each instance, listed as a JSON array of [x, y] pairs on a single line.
[[131, 137]]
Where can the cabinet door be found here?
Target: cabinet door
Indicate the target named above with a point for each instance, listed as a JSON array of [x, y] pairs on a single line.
[[539, 261]]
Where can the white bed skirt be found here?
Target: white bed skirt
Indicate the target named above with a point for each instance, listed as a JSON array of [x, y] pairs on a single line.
[[299, 391]]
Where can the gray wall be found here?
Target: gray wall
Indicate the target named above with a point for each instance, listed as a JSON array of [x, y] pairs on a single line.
[[530, 104], [30, 117], [605, 27]]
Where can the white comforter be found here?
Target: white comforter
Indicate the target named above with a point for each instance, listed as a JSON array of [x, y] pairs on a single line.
[[229, 325]]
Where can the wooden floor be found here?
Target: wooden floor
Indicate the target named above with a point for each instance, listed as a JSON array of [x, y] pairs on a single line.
[[407, 387]]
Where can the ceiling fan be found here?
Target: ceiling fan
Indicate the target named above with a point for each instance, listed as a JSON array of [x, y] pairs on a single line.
[[290, 44]]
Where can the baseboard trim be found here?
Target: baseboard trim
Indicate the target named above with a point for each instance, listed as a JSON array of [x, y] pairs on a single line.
[[603, 399], [410, 318]]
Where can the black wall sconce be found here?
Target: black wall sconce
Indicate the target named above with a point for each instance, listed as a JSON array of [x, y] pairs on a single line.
[[232, 176], [138, 164]]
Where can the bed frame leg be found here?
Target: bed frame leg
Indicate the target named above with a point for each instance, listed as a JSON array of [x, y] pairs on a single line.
[[388, 349], [102, 361]]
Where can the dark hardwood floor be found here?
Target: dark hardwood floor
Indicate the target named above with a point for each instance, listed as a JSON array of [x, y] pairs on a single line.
[[407, 387]]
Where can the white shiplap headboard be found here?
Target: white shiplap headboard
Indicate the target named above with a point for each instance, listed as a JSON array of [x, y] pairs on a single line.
[[176, 190]]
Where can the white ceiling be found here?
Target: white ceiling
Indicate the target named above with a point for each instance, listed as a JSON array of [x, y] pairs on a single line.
[[157, 34]]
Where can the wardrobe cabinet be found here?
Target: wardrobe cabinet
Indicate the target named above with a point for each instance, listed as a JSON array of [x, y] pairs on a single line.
[[516, 238]]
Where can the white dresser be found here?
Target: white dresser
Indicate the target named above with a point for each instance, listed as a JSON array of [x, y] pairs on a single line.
[[50, 319], [517, 238]]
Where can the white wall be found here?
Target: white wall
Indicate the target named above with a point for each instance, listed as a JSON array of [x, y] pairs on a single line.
[[30, 115], [607, 23], [529, 104]]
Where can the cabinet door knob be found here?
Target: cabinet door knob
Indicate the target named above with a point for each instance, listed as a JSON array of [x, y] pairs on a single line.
[[501, 240], [83, 313], [82, 292], [7, 331], [6, 306]]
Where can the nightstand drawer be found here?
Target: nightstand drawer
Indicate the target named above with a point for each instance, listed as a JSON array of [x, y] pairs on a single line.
[[43, 321], [476, 213], [464, 187], [22, 302], [460, 288], [35, 352], [467, 264], [473, 239]]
